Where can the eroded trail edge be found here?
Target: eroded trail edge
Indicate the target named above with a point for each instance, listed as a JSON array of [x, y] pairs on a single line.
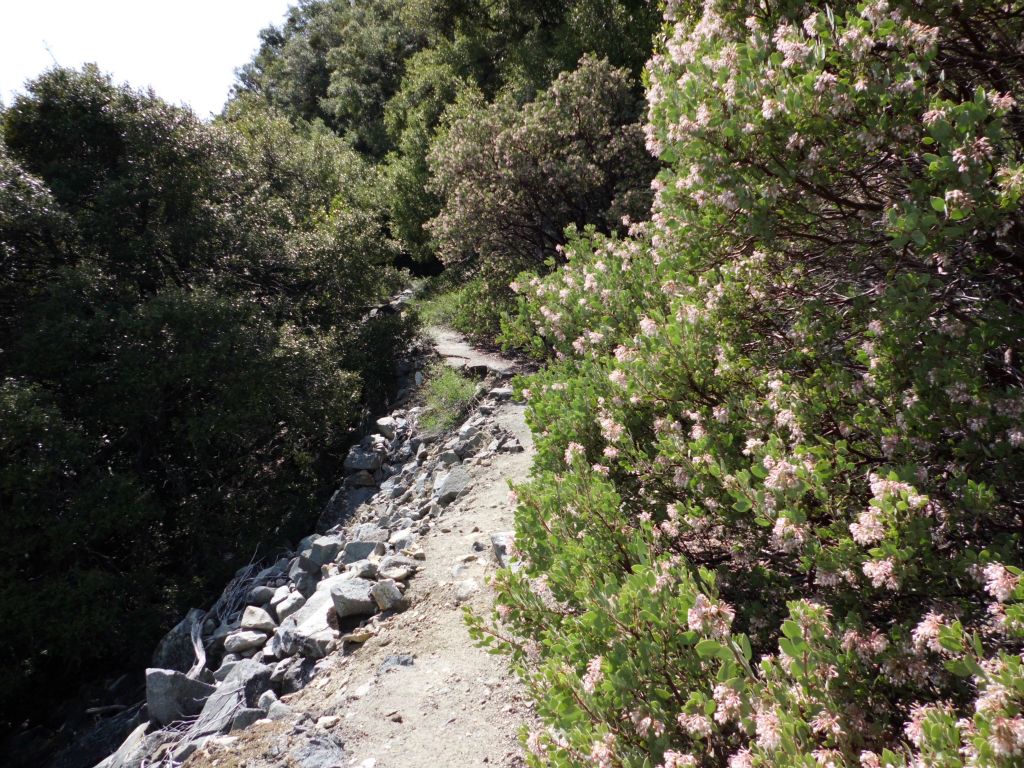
[[353, 651]]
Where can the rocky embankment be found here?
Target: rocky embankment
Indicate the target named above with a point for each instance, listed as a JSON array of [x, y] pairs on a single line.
[[352, 651]]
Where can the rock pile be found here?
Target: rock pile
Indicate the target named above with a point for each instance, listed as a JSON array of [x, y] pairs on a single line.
[[266, 637]]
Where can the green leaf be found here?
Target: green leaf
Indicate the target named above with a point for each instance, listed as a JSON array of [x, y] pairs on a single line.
[[938, 204]]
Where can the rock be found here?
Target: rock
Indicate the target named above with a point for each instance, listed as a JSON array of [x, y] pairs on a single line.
[[360, 550], [363, 569], [362, 479], [261, 595], [451, 485], [465, 590], [321, 751], [297, 676], [362, 459], [245, 718], [172, 696], [344, 504], [352, 598], [308, 631], [387, 426], [395, 662], [279, 711], [449, 458], [501, 393], [136, 750], [175, 650], [402, 539], [258, 620], [225, 669], [388, 596], [291, 603], [301, 565], [244, 640], [240, 690], [280, 593], [397, 567], [267, 698], [305, 584], [369, 532], [325, 549], [501, 544], [359, 635]]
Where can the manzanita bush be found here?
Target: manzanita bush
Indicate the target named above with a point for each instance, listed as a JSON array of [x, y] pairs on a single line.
[[776, 511]]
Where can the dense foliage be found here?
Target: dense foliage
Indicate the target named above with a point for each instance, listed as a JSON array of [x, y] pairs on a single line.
[[183, 353], [777, 509], [393, 77], [514, 179]]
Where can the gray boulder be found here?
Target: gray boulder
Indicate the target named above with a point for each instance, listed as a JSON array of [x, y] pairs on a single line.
[[175, 650], [352, 598], [325, 548], [397, 567], [363, 459], [172, 696], [258, 620], [387, 426], [290, 605], [450, 486], [368, 532], [246, 717], [309, 631], [241, 689], [360, 550], [244, 640], [388, 596]]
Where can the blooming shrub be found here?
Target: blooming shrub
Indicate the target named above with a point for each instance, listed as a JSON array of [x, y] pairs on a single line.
[[775, 518]]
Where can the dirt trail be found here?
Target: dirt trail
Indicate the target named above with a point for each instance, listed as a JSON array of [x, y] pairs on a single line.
[[420, 694]]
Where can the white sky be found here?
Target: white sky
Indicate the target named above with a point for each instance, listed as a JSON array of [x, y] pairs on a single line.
[[187, 50]]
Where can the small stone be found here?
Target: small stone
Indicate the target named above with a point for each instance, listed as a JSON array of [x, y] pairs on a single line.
[[363, 569], [266, 699], [359, 635], [501, 544], [387, 426], [388, 596], [465, 590], [258, 620], [279, 711], [245, 718], [244, 640], [328, 721], [395, 662]]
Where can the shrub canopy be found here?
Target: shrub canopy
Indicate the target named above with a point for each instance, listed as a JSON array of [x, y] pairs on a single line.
[[776, 518]]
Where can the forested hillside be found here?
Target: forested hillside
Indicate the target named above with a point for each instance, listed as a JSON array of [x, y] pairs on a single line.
[[184, 357]]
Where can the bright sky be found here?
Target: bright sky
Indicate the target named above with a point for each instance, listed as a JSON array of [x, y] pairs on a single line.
[[187, 50]]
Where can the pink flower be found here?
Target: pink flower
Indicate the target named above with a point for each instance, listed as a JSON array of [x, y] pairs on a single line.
[[594, 674], [768, 736], [572, 451], [926, 633], [696, 725], [1007, 736], [710, 618], [999, 582], [648, 327], [727, 703], [742, 759], [868, 529], [617, 377], [677, 760], [882, 573]]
